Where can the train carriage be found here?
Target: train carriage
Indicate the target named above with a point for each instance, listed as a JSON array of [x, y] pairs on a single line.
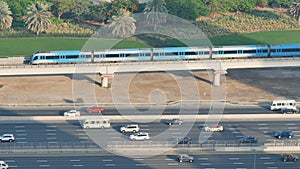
[[240, 51], [285, 50]]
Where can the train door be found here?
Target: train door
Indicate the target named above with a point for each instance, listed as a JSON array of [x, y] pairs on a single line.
[[63, 58], [259, 51], [181, 55], [122, 55]]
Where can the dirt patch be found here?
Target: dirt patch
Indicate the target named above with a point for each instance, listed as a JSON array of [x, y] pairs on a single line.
[[241, 86]]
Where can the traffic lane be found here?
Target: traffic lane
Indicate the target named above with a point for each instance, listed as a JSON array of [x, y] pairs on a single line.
[[73, 132], [58, 111], [28, 133], [216, 161]]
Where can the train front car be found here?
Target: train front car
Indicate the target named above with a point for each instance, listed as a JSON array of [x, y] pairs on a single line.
[[236, 52], [55, 57], [285, 50]]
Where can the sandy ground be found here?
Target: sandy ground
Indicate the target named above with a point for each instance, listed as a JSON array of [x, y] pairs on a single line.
[[245, 85]]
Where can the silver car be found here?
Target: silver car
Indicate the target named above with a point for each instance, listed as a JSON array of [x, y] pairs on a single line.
[[175, 121], [185, 158]]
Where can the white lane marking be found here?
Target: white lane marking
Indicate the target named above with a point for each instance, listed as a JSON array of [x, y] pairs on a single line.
[[19, 126], [110, 165], [140, 164], [209, 168], [42, 161], [263, 128], [51, 126], [50, 134], [139, 159], [107, 160], [205, 164], [272, 167], [10, 161], [268, 163], [202, 158], [238, 163], [20, 138], [262, 124], [46, 165], [20, 131], [22, 134], [75, 160], [265, 158], [172, 163], [168, 159], [51, 138], [239, 136], [236, 132], [50, 130], [290, 124], [13, 166], [145, 129], [235, 158], [52, 142], [144, 125], [78, 165], [176, 133], [292, 128], [22, 142]]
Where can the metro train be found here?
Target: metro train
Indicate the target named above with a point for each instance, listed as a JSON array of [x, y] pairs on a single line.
[[168, 53]]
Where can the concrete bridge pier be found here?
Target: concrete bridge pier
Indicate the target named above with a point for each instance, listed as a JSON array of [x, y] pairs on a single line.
[[217, 77], [106, 80]]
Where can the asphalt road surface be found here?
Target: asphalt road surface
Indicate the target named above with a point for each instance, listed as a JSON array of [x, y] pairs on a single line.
[[58, 111], [217, 161]]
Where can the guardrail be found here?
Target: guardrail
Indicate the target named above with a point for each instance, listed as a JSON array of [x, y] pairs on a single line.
[[163, 147]]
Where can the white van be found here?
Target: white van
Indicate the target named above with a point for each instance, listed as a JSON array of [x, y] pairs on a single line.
[[283, 104], [95, 123], [3, 165]]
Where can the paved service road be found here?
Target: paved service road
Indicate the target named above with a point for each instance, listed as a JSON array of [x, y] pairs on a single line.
[[217, 161], [55, 111]]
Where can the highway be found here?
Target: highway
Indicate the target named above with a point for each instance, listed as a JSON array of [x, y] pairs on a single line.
[[58, 111], [216, 161], [70, 132]]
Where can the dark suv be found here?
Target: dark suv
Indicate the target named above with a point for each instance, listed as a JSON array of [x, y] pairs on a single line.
[[289, 157], [248, 139], [285, 133], [184, 140]]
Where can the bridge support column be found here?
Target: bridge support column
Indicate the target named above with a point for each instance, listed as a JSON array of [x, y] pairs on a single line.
[[106, 80], [217, 77]]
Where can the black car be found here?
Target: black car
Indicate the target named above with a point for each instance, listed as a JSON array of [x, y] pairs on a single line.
[[290, 110], [248, 139], [289, 157], [184, 140]]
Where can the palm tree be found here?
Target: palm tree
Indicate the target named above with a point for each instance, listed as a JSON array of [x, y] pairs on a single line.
[[294, 10], [38, 19], [5, 18], [123, 25], [155, 11]]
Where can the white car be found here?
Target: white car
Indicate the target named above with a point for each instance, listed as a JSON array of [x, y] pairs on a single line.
[[132, 128], [7, 137], [72, 113], [3, 165], [139, 136], [213, 127]]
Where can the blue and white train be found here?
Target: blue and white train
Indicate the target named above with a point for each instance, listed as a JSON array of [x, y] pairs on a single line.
[[168, 53]]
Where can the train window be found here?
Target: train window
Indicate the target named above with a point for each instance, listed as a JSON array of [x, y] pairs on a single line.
[[192, 53], [249, 51], [132, 55], [291, 50], [112, 55], [230, 52], [72, 56], [52, 57], [171, 53]]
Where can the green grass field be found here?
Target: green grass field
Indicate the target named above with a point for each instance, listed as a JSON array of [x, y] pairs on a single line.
[[26, 46]]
